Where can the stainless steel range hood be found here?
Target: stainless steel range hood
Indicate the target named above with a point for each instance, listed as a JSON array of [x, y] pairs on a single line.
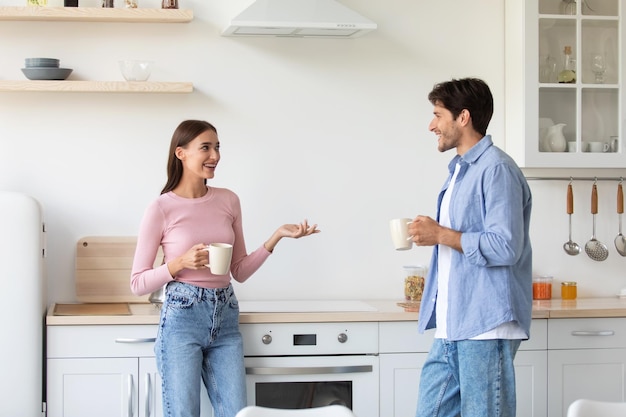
[[299, 18]]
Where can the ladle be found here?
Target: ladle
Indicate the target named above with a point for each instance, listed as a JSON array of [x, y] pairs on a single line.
[[570, 247], [620, 239], [594, 248]]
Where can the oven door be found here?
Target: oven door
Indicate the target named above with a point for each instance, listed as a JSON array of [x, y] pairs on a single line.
[[314, 381]]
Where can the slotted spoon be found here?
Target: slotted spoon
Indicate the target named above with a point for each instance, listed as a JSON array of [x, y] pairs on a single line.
[[595, 249]]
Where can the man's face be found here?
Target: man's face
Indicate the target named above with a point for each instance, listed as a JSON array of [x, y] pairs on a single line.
[[445, 127]]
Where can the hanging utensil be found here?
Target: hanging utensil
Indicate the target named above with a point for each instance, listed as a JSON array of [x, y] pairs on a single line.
[[620, 240], [594, 248], [570, 247]]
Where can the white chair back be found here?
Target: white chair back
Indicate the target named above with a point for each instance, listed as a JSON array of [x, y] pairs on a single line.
[[326, 411], [593, 408]]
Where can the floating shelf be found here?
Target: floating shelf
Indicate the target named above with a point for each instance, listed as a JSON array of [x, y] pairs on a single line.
[[97, 86], [96, 14]]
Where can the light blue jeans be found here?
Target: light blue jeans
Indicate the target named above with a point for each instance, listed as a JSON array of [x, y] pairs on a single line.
[[199, 339], [469, 378]]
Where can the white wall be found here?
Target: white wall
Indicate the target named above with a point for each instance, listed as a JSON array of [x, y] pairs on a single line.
[[334, 131]]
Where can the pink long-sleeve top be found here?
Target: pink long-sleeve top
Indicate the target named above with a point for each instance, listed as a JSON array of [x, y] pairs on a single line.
[[178, 223]]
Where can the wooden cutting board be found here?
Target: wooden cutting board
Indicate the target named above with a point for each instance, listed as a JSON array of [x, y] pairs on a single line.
[[92, 309], [103, 266]]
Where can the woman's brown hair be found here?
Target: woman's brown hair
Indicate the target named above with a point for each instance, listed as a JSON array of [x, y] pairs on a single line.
[[187, 131]]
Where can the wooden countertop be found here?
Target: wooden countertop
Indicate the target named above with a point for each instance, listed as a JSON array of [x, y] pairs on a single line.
[[384, 310], [581, 308]]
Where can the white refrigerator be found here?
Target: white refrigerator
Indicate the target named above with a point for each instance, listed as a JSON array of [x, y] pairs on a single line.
[[22, 306]]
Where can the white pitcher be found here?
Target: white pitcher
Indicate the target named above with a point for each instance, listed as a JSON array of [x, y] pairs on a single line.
[[554, 138]]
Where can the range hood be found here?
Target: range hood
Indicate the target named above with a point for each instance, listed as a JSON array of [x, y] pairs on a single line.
[[299, 18]]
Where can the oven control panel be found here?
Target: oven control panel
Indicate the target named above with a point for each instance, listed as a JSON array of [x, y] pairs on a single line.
[[262, 339]]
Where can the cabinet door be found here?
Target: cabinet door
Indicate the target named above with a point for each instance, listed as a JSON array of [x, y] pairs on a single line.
[[531, 383], [150, 394], [99, 387], [591, 108], [597, 374], [399, 382]]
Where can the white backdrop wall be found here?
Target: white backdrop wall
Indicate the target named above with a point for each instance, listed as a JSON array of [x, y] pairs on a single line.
[[330, 130]]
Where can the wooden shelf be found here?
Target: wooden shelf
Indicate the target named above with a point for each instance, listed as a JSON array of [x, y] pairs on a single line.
[[97, 86], [96, 14]]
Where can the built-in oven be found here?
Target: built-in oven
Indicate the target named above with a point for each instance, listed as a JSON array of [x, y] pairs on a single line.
[[305, 365]]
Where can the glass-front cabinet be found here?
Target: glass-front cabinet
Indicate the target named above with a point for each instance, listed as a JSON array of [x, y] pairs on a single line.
[[564, 83]]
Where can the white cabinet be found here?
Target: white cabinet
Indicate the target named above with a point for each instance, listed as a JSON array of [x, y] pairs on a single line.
[[531, 372], [399, 382], [102, 387], [403, 352], [106, 371], [150, 397], [586, 359], [591, 109]]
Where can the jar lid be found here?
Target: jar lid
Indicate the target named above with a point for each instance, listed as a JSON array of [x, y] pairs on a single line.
[[542, 278], [414, 268], [568, 283]]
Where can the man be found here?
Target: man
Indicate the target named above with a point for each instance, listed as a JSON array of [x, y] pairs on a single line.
[[478, 293]]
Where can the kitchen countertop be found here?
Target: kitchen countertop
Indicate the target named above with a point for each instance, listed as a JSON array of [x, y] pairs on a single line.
[[382, 310]]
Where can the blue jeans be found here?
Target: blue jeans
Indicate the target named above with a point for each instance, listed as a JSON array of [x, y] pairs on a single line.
[[469, 378], [199, 339]]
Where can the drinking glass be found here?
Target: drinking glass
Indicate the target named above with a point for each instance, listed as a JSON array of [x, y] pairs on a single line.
[[568, 7], [598, 67], [547, 69]]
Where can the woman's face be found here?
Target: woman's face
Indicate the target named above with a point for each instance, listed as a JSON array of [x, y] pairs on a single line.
[[201, 155]]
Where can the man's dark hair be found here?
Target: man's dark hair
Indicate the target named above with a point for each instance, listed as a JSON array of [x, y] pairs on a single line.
[[472, 94]]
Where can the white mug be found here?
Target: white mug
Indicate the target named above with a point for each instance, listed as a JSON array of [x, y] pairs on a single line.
[[220, 255], [399, 229], [571, 146], [598, 147]]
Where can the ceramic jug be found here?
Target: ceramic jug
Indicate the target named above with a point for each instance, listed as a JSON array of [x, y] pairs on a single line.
[[544, 124], [555, 139]]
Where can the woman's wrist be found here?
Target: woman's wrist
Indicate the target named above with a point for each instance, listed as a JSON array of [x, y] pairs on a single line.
[[174, 267], [271, 243]]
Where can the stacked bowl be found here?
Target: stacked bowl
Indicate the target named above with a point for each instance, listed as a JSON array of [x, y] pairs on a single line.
[[45, 69]]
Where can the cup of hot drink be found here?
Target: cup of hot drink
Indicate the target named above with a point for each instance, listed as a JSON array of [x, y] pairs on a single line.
[[399, 229], [220, 255]]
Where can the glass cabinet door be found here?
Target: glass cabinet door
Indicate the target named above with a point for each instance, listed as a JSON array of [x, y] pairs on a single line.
[[569, 80]]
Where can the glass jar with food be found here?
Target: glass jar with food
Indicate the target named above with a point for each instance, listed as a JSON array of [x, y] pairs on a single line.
[[542, 288], [569, 290], [414, 276]]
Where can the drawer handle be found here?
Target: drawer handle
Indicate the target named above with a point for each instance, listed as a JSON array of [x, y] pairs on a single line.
[[137, 340], [148, 396], [308, 370], [593, 333], [131, 388]]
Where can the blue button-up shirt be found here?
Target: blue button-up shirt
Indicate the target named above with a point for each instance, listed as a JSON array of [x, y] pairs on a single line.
[[491, 280]]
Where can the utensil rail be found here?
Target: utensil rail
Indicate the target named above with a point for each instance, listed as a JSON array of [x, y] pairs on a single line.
[[620, 179]]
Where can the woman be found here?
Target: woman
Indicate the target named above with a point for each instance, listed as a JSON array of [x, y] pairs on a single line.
[[198, 335]]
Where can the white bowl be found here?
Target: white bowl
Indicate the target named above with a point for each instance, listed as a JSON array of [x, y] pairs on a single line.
[[134, 70]]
